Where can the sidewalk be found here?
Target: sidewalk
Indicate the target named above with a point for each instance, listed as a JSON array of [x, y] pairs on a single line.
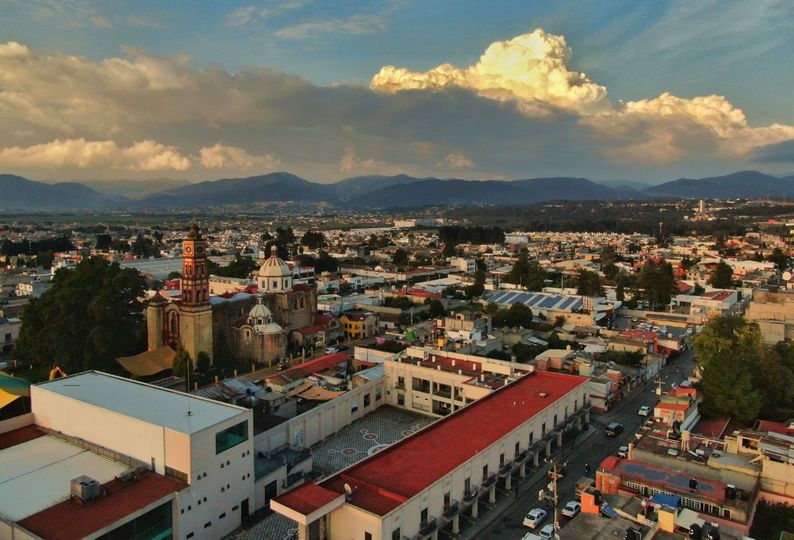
[[509, 502]]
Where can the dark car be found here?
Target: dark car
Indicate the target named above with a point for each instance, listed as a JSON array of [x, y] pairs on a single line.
[[614, 429]]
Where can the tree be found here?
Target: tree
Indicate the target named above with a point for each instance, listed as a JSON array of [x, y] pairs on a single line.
[[400, 257], [203, 363], [143, 247], [589, 283], [728, 350], [526, 274], [222, 353], [313, 239], [516, 315], [610, 271], [174, 275], [620, 285], [436, 309], [721, 276], [103, 242], [450, 249], [478, 287], [89, 317], [779, 258], [182, 364], [241, 267], [658, 281], [498, 355]]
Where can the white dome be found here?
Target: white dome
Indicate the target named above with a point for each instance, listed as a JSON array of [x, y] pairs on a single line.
[[259, 312], [274, 267], [271, 328]]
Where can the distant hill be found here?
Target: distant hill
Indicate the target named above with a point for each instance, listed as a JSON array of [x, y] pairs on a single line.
[[18, 194], [742, 184], [134, 189], [624, 184], [280, 186], [369, 192], [430, 192]]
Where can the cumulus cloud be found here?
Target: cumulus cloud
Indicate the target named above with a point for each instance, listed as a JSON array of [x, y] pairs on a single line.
[[350, 164], [232, 157], [531, 68], [667, 128], [79, 153], [456, 161]]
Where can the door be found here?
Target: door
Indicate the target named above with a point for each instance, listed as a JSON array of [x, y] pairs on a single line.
[[270, 491], [244, 510]]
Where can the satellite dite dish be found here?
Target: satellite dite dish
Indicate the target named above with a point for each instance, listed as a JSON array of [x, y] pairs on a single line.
[[348, 492], [787, 276]]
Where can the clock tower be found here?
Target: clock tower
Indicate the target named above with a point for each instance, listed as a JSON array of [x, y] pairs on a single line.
[[195, 313]]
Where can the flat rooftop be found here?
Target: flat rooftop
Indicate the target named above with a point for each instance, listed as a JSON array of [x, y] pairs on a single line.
[[388, 478], [145, 402], [36, 474]]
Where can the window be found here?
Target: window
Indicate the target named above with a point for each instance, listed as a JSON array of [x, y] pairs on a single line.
[[366, 400], [275, 284], [207, 525], [231, 437], [400, 381], [531, 437], [400, 399], [575, 404], [396, 534], [423, 517], [189, 535], [501, 460], [555, 420], [484, 472], [378, 393], [447, 499], [518, 448], [726, 513], [367, 535], [353, 405], [543, 429], [467, 485], [222, 516]]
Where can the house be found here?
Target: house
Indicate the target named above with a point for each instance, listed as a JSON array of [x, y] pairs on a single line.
[[359, 324]]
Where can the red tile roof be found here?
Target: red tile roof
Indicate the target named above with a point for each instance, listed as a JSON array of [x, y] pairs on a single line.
[[387, 479], [767, 426], [301, 371], [712, 428], [310, 330], [717, 295], [69, 519], [307, 498]]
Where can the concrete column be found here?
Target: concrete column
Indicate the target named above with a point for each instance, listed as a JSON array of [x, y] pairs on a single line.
[[579, 422], [492, 494], [522, 470], [535, 459], [475, 506], [559, 439], [508, 481], [303, 532], [548, 448], [587, 416], [434, 536], [456, 524]]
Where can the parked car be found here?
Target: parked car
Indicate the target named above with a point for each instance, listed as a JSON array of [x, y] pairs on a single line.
[[534, 517], [571, 508], [547, 532], [331, 350], [623, 451], [644, 411], [614, 429]]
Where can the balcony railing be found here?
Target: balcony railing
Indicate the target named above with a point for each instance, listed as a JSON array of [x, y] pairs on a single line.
[[451, 510], [488, 482], [428, 528], [505, 470], [471, 495]]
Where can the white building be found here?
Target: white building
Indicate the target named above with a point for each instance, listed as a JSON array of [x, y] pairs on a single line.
[[464, 264], [159, 463], [423, 483]]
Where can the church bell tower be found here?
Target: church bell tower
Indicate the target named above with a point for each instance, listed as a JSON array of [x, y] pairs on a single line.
[[195, 313]]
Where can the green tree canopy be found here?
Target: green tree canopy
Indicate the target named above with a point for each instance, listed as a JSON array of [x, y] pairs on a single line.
[[240, 267], [90, 316], [313, 239], [779, 258], [400, 257], [436, 309], [182, 364], [657, 280], [589, 283], [515, 315], [721, 276], [526, 273]]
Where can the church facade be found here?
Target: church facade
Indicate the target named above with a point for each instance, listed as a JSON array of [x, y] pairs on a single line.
[[256, 324]]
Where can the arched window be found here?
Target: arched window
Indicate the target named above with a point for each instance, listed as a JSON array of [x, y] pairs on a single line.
[[275, 284], [301, 303], [174, 323]]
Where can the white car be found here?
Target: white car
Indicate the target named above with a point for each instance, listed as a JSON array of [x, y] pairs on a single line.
[[547, 532], [331, 350], [571, 508], [534, 518], [623, 451], [644, 411]]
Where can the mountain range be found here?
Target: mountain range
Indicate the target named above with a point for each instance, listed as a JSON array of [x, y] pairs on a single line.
[[18, 194]]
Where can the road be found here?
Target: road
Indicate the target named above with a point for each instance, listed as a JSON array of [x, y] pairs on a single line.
[[592, 451]]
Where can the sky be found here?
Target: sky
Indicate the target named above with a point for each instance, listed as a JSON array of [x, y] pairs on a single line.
[[609, 90]]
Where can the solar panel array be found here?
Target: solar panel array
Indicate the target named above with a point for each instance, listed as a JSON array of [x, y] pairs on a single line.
[[538, 300]]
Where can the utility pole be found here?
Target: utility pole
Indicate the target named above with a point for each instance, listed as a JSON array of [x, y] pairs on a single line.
[[554, 497]]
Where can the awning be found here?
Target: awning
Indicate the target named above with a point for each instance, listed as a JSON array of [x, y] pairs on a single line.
[[15, 386], [662, 499], [149, 362], [6, 398]]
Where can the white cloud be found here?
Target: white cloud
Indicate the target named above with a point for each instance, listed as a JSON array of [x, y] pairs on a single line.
[[350, 163], [100, 22], [79, 153], [355, 25], [231, 157], [530, 68], [252, 14], [456, 160]]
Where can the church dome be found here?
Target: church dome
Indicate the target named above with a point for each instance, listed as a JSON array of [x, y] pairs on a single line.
[[262, 320], [274, 266]]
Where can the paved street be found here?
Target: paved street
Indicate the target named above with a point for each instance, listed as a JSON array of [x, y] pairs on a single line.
[[507, 523]]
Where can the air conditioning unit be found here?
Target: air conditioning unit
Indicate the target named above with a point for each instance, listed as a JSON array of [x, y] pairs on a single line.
[[85, 488]]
